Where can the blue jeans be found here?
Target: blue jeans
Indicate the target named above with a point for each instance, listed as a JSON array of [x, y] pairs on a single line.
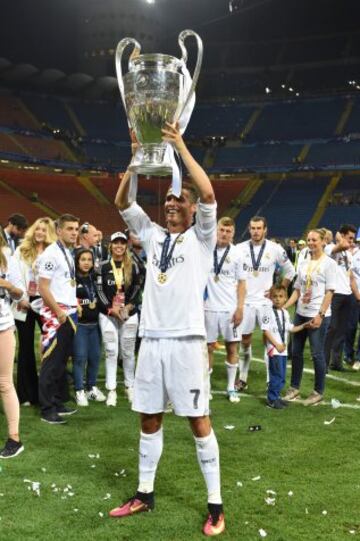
[[317, 343], [86, 349], [353, 320], [277, 373]]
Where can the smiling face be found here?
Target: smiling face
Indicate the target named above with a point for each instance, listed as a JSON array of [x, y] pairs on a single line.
[[315, 242], [257, 230], [179, 211], [40, 233], [85, 263], [118, 249]]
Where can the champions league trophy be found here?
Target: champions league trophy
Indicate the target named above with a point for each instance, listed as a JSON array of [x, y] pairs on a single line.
[[157, 89]]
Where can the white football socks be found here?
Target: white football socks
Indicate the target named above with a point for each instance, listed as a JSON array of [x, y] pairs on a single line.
[[231, 370], [150, 449], [244, 361], [207, 451]]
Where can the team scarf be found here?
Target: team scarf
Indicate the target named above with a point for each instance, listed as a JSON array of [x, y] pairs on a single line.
[[50, 325]]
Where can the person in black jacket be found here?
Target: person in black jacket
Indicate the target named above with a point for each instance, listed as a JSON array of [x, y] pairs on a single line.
[[119, 285], [87, 340]]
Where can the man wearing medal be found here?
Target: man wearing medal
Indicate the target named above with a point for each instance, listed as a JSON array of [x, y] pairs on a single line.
[[224, 303], [173, 358], [260, 258], [57, 287]]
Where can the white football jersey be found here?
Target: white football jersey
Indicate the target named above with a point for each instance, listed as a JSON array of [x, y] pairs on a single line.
[[6, 315], [221, 291], [260, 281], [323, 277], [270, 324], [343, 261], [173, 306], [51, 264], [356, 266]]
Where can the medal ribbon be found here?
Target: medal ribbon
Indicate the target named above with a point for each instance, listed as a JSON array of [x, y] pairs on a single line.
[[89, 291], [218, 265], [281, 328], [118, 274], [256, 262], [71, 266], [311, 269], [346, 261], [166, 253]]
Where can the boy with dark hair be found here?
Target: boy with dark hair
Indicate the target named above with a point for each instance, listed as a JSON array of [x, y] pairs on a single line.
[[276, 327]]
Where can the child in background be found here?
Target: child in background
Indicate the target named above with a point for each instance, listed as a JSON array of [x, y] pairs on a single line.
[[276, 329]]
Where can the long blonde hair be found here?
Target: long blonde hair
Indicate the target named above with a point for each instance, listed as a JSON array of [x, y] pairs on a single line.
[[127, 265], [3, 260], [27, 248]]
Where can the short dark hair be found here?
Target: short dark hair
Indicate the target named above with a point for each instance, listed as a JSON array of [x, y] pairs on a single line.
[[66, 218], [277, 287], [347, 228], [18, 220], [259, 219]]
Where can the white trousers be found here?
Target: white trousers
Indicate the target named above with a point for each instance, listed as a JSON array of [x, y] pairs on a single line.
[[119, 340]]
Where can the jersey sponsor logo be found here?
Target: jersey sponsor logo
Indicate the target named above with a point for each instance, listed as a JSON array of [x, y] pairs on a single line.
[[173, 261], [250, 268], [49, 266]]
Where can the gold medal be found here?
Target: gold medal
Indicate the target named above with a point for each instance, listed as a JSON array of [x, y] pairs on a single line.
[[162, 277], [255, 273], [228, 260], [73, 282], [179, 240], [92, 305], [216, 278]]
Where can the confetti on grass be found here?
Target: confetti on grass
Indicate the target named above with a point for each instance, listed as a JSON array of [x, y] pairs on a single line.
[[239, 484], [257, 478], [290, 493], [270, 501], [262, 533], [329, 422], [229, 427]]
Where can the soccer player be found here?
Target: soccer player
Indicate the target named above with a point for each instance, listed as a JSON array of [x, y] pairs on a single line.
[[173, 359], [260, 258], [224, 304], [57, 287]]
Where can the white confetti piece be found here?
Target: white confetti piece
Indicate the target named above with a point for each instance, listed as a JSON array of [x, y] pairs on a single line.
[[239, 484], [93, 466], [329, 422], [229, 427], [71, 494], [76, 510], [55, 489], [1, 494], [91, 456], [290, 493], [101, 514], [246, 522], [64, 497], [69, 486], [43, 470], [116, 474], [271, 492], [352, 531], [97, 455], [262, 533], [35, 487], [66, 489], [122, 472], [324, 512], [306, 511], [257, 478], [107, 497], [335, 403], [53, 485], [270, 501]]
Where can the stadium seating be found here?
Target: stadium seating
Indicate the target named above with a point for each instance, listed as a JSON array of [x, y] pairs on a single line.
[[102, 120], [12, 114], [50, 111], [254, 156]]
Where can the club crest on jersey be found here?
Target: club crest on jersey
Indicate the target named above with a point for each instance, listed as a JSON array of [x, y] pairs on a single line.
[[265, 320], [49, 266]]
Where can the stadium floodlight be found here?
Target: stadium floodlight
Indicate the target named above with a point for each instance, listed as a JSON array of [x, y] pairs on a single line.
[[283, 86], [150, 1], [291, 89], [267, 90]]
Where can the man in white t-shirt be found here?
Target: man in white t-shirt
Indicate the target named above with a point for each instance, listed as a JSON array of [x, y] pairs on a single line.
[[352, 354], [224, 303], [341, 301], [57, 287], [173, 359], [260, 258]]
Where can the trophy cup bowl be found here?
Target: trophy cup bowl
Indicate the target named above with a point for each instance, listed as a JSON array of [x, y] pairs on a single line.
[[153, 93]]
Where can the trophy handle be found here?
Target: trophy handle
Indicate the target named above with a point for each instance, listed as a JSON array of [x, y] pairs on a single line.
[[118, 59], [182, 37]]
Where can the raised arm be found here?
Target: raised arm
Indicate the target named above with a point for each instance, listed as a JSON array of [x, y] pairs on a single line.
[[171, 134], [122, 194]]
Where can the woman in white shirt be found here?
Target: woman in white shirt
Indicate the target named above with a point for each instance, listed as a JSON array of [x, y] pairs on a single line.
[[39, 235], [313, 291], [9, 398]]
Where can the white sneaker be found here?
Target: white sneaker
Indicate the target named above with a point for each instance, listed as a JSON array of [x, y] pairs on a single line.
[[81, 398], [356, 366], [129, 393], [96, 394], [111, 398], [233, 397]]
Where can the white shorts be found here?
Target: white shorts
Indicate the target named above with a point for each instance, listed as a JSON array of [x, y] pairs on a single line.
[[255, 313], [175, 369], [219, 323]]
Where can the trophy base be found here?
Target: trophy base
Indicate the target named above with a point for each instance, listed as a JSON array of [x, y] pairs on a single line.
[[152, 162]]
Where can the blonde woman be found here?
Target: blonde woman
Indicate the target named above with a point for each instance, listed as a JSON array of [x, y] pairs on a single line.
[[119, 289], [38, 237], [8, 292]]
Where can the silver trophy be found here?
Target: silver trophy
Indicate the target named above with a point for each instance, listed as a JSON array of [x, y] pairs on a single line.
[[155, 90]]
